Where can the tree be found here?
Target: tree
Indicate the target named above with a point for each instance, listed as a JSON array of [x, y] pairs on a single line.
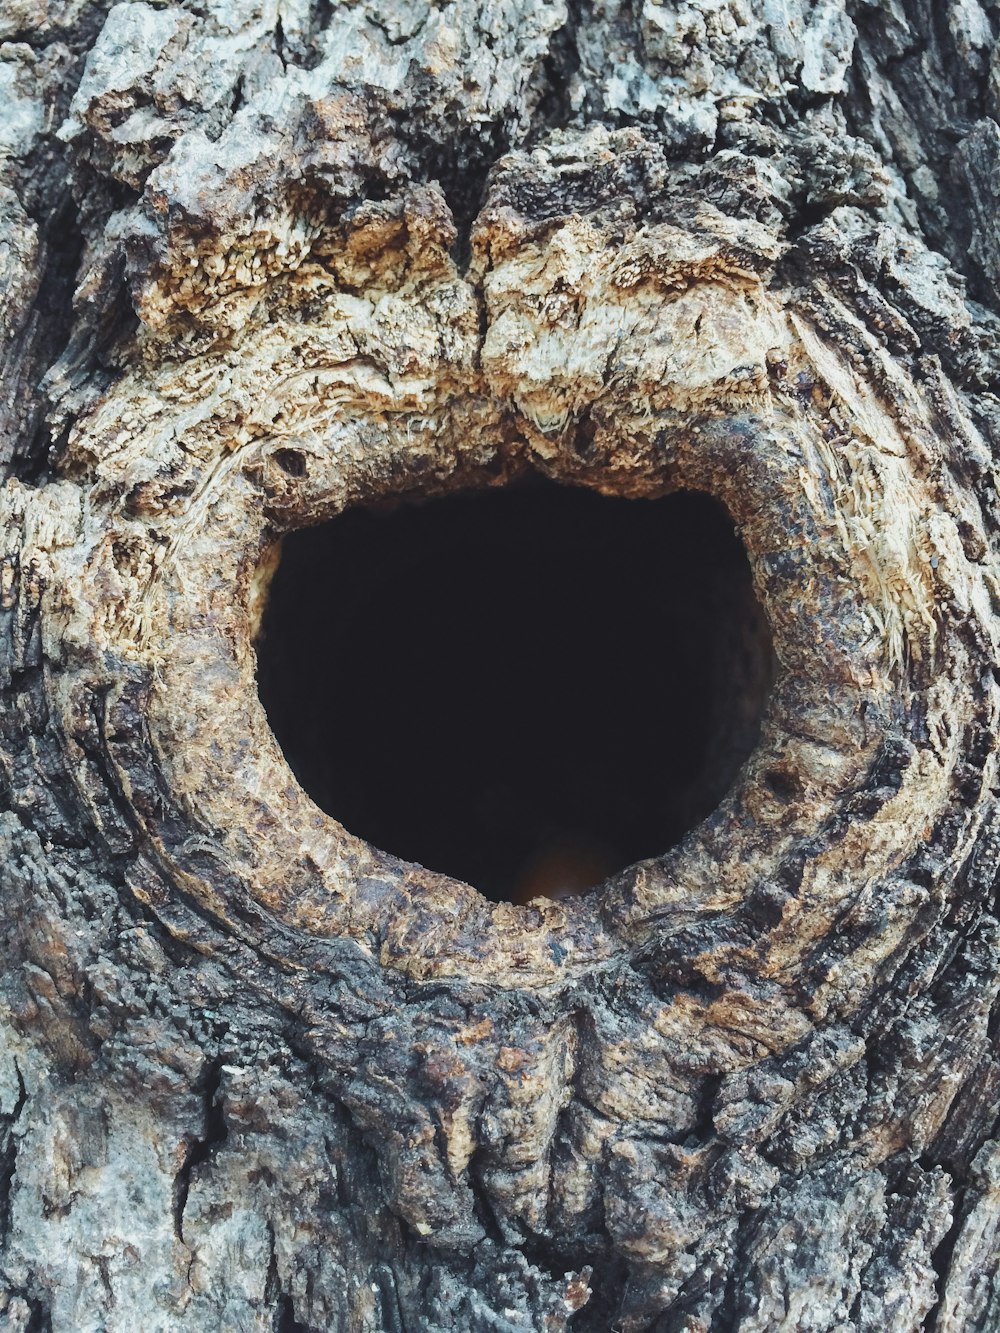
[[262, 262]]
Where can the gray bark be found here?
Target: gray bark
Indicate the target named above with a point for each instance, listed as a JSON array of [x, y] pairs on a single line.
[[263, 261]]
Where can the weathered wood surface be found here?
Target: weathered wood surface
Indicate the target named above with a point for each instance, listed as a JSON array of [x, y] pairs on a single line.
[[260, 261]]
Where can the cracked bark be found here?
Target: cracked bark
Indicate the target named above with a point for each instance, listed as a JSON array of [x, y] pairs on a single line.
[[261, 263]]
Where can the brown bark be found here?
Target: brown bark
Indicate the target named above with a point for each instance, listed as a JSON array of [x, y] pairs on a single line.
[[263, 264]]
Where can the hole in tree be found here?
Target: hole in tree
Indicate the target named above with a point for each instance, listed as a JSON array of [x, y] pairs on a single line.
[[527, 689]]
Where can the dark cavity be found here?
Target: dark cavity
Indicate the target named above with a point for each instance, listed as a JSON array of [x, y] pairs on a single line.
[[527, 689]]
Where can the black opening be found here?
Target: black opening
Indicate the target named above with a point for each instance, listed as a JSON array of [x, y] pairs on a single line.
[[527, 689]]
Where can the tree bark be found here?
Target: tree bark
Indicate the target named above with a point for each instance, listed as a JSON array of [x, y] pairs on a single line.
[[261, 262]]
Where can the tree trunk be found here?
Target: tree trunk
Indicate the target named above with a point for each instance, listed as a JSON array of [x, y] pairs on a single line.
[[265, 262]]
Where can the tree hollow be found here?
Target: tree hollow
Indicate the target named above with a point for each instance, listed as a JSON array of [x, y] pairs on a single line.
[[527, 689]]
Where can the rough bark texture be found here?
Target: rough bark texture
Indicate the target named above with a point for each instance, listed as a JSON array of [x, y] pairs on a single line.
[[263, 259]]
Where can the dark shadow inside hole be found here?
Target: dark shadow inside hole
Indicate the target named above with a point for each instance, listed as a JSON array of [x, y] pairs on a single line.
[[527, 689]]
